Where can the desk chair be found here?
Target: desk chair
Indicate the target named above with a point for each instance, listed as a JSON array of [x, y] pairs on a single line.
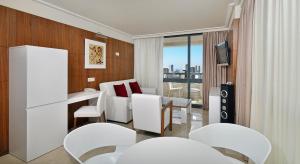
[[97, 111]]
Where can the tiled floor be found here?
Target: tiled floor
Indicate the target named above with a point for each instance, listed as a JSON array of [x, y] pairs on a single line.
[[196, 119]]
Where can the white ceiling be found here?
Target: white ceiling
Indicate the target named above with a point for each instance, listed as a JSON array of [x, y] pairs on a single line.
[[141, 17]]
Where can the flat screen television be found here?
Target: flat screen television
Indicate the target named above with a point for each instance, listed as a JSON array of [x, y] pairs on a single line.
[[223, 56]]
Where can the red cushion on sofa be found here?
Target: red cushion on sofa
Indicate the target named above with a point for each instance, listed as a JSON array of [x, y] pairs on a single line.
[[121, 90], [135, 88]]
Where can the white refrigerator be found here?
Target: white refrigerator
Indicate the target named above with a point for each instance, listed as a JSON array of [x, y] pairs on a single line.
[[38, 79], [214, 105]]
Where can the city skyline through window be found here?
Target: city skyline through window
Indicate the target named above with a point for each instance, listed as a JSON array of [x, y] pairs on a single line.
[[183, 68], [176, 56]]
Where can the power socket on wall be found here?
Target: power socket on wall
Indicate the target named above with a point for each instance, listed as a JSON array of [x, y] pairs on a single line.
[[91, 79]]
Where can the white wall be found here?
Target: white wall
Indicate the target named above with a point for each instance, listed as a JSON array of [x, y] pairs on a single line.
[[66, 17]]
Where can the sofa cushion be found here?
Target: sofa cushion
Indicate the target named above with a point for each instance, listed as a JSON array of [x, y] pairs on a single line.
[[126, 82], [109, 87], [135, 88], [121, 90]]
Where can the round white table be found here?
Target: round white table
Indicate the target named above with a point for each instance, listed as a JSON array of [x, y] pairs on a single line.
[[171, 150]]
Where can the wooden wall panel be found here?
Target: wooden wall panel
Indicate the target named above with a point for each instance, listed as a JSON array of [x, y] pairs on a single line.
[[19, 32], [3, 100], [3, 117], [19, 28], [233, 45], [3, 27], [3, 64], [23, 35]]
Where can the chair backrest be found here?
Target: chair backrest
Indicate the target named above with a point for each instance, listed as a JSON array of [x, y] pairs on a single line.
[[96, 135], [235, 137], [170, 85], [146, 111], [101, 102]]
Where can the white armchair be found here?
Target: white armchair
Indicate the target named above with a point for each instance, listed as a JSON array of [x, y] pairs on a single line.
[[149, 115], [234, 137], [119, 108], [97, 135]]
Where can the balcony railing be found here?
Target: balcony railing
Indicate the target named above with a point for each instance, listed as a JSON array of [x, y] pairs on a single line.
[[180, 80], [181, 77]]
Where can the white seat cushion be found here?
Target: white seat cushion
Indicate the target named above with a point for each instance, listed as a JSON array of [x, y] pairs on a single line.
[[108, 158], [195, 90], [234, 161], [175, 88], [87, 111]]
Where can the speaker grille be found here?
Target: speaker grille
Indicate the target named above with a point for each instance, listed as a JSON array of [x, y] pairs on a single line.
[[224, 115], [224, 93], [227, 103]]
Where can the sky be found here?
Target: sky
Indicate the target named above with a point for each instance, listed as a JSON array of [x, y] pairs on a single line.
[[177, 55]]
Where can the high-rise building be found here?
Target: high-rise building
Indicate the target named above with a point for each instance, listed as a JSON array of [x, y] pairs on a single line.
[[198, 68], [192, 69], [166, 70], [172, 68]]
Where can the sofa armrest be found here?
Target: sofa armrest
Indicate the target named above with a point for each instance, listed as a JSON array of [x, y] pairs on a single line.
[[151, 91]]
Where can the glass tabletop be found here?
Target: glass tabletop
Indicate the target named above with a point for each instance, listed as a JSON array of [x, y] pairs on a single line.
[[178, 102]]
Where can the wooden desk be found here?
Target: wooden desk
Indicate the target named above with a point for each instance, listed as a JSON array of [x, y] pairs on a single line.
[[82, 96]]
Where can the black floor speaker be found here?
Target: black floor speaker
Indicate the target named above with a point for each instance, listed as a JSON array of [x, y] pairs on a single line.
[[227, 103]]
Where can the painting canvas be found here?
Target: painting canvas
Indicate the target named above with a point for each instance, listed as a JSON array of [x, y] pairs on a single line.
[[95, 54]]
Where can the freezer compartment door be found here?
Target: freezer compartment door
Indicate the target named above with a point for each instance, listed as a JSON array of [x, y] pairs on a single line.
[[46, 128], [47, 74]]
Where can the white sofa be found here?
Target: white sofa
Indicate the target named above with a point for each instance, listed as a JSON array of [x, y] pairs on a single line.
[[119, 108]]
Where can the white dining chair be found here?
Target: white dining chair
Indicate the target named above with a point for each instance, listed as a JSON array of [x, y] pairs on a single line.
[[92, 111], [97, 135], [241, 139]]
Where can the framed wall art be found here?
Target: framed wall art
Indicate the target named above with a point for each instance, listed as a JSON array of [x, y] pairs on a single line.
[[95, 54]]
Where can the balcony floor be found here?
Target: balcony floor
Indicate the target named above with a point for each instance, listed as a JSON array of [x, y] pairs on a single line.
[[196, 91]]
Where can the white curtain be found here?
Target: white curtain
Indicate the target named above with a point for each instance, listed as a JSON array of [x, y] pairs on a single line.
[[148, 62], [244, 65], [275, 107]]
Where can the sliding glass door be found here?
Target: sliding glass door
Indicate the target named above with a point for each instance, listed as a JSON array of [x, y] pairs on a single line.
[[175, 61], [182, 63], [196, 69]]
